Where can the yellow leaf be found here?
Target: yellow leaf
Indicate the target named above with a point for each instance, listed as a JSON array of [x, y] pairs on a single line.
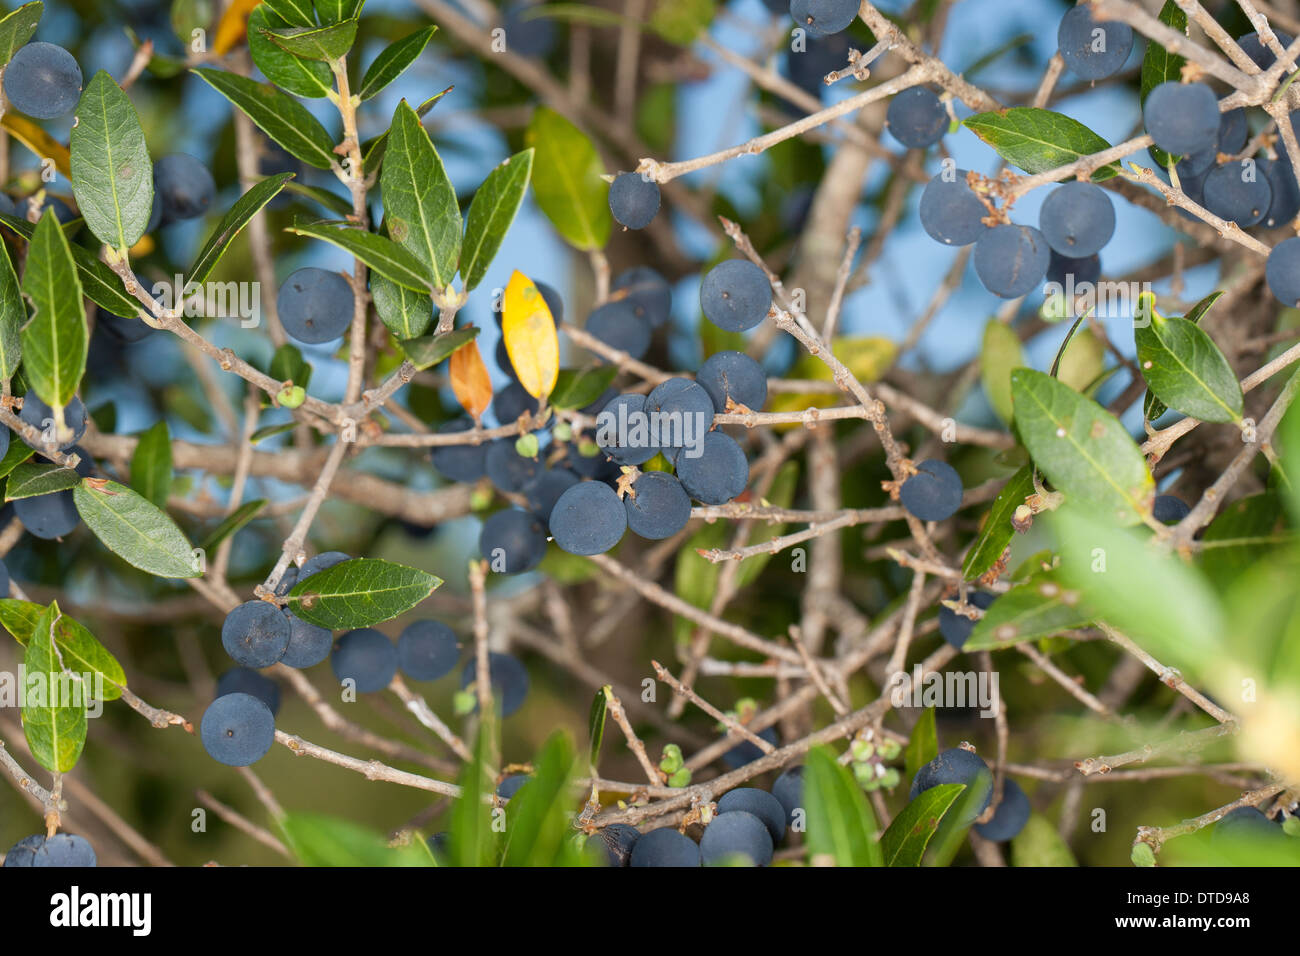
[[233, 26], [469, 379], [38, 141], [529, 332]]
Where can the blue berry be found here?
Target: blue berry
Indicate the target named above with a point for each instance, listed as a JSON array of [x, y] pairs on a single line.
[[746, 752], [633, 200], [823, 17], [736, 834], [788, 788], [545, 490], [4, 578], [528, 36], [512, 541], [917, 118], [735, 295], [1169, 510], [309, 644], [718, 474], [41, 417], [588, 519], [123, 329], [648, 292], [48, 516], [503, 360], [1238, 193], [1246, 825], [367, 657], [1233, 131], [24, 851], [807, 68], [663, 848], [60, 850], [956, 766], [427, 650], [680, 410], [508, 787], [1066, 271], [617, 324], [237, 730], [1093, 49], [1182, 118], [1286, 193], [1010, 817], [460, 462], [951, 213], [1254, 47], [933, 493], [315, 305], [509, 680], [615, 843], [623, 430], [733, 376], [761, 804], [658, 506], [43, 80], [1282, 272], [255, 634], [510, 471], [319, 562], [1011, 260], [244, 680], [184, 187], [1077, 220], [512, 402], [956, 628]]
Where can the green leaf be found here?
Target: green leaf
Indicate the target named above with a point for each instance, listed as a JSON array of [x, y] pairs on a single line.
[[1000, 353], [359, 593], [681, 21], [112, 176], [233, 522], [232, 223], [270, 431], [904, 843], [491, 212], [17, 27], [472, 841], [13, 316], [841, 827], [998, 531], [303, 77], [567, 180], [1152, 407], [29, 480], [578, 387], [334, 11], [382, 255], [151, 464], [1041, 607], [432, 349], [1184, 368], [54, 341], [1038, 844], [404, 312], [316, 43], [99, 283], [276, 114], [421, 213], [17, 454], [1241, 535], [81, 653], [393, 61], [1039, 140], [923, 745], [19, 618], [326, 197], [55, 723], [288, 365], [1159, 601], [1081, 448], [538, 817], [297, 12], [374, 150], [596, 723], [190, 15], [1161, 66], [327, 841], [135, 529]]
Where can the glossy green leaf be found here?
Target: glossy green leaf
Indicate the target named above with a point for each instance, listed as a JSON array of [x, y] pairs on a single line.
[[331, 200], [374, 150], [82, 654], [277, 114], [232, 223], [334, 11], [996, 535], [1039, 140], [382, 255], [54, 341], [1184, 368], [318, 840], [432, 349], [151, 464], [841, 826], [112, 175], [330, 42], [421, 213], [472, 840], [54, 721], [359, 593], [299, 13], [99, 283], [406, 313], [577, 387], [17, 27], [13, 316], [135, 529], [297, 75], [904, 843], [1082, 448], [923, 745], [393, 61], [17, 454], [1242, 534], [1000, 353], [31, 479], [1152, 407], [233, 522], [567, 180], [491, 212], [1040, 607], [539, 817], [596, 723]]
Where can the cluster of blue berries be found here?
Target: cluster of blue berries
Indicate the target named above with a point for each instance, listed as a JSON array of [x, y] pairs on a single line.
[[965, 767], [51, 515]]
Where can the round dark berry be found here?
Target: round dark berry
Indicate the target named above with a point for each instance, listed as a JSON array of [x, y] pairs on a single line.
[[623, 430], [512, 402], [509, 680], [1169, 510], [736, 836], [1286, 193], [614, 843], [823, 17], [950, 211], [41, 417], [657, 507], [255, 634], [513, 541], [183, 186], [1011, 260], [545, 490], [1010, 816], [648, 292], [956, 766], [588, 519], [1077, 219], [733, 376], [1254, 47], [64, 850], [245, 680], [319, 562], [1246, 825], [618, 325], [664, 847], [315, 305], [933, 493], [510, 471], [956, 628], [1093, 49], [718, 473], [1239, 193], [48, 516], [917, 118], [633, 200], [747, 752], [508, 787], [680, 412], [761, 804], [366, 657], [1282, 272], [460, 462], [43, 81], [1182, 118], [1065, 271], [525, 35], [237, 730], [427, 650], [309, 644], [735, 295], [788, 788]]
